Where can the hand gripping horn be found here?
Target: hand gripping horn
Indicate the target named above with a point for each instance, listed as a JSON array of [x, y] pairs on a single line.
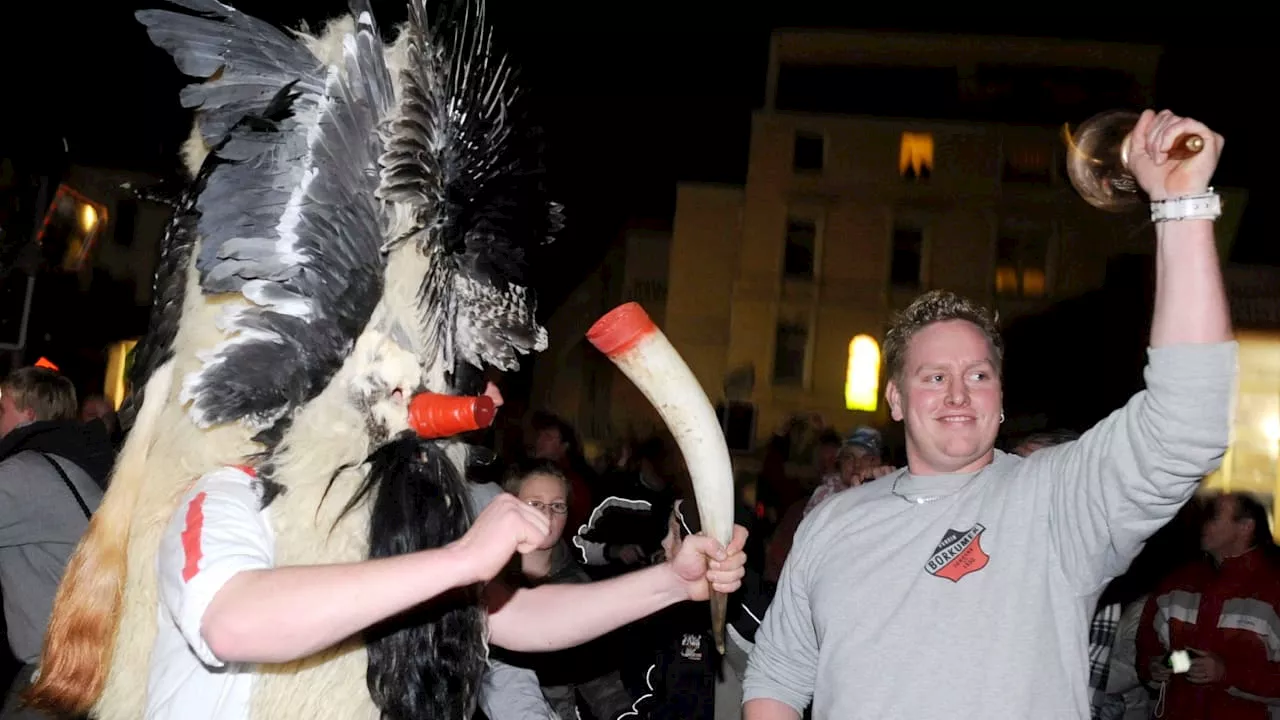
[[642, 352]]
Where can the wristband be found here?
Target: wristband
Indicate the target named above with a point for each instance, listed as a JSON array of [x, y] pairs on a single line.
[[1205, 206]]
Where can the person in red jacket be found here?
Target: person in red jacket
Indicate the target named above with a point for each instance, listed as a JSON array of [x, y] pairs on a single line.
[[1222, 612]]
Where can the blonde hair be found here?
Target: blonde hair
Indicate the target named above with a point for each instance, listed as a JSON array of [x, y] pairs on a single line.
[[933, 307], [50, 395]]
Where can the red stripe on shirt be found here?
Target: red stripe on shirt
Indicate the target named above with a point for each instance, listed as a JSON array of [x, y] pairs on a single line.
[[248, 470], [191, 537]]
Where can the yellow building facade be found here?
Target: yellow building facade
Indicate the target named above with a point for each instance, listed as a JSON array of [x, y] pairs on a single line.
[[852, 208]]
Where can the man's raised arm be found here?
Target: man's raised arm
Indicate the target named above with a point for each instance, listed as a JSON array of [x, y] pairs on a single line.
[[1129, 474], [1191, 303]]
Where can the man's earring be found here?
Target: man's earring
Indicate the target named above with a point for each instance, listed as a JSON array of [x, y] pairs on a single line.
[[1001, 417]]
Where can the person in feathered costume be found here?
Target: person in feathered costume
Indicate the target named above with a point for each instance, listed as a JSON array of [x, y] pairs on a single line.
[[344, 267]]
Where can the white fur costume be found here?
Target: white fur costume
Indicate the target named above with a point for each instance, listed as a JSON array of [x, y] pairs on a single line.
[[354, 235]]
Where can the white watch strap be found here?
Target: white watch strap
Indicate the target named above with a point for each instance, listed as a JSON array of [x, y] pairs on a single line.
[[1207, 206]]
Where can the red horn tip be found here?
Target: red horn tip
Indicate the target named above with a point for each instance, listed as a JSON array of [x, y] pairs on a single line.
[[432, 415], [620, 329]]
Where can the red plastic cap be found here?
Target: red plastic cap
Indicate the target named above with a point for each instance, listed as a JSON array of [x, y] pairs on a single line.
[[620, 329], [439, 416]]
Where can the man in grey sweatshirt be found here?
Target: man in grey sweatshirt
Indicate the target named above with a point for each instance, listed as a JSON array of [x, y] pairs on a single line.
[[961, 586]]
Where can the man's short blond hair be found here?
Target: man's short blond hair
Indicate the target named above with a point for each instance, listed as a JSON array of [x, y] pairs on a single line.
[[933, 307], [48, 394]]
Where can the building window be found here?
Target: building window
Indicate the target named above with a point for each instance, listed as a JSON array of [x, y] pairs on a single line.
[[791, 346], [1028, 164], [70, 229], [915, 156], [809, 151], [1022, 251], [801, 241], [907, 256]]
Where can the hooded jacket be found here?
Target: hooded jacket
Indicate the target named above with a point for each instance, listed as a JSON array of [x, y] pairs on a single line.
[[41, 520]]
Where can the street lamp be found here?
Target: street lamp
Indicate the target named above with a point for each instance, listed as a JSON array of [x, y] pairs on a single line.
[[88, 217]]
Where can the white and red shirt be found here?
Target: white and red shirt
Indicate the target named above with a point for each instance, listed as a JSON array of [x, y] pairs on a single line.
[[220, 529]]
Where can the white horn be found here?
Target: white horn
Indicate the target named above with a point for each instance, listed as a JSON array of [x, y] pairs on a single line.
[[629, 338]]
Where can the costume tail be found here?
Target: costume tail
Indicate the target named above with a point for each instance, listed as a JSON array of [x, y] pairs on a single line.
[[86, 611], [427, 662]]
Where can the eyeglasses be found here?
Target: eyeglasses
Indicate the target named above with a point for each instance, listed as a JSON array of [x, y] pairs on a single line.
[[556, 508]]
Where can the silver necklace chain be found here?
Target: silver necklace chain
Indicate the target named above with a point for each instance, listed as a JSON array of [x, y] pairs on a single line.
[[922, 499], [914, 501]]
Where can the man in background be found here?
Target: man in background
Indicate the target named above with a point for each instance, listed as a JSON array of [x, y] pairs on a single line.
[[52, 471]]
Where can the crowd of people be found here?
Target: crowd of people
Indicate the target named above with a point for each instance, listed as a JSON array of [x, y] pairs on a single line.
[[1068, 575]]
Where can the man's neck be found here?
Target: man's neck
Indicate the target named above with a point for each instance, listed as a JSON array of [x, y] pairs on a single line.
[[919, 467]]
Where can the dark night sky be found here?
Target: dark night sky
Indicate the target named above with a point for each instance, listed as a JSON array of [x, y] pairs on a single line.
[[634, 96]]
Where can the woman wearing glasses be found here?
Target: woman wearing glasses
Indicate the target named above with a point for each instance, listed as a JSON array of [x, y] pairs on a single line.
[[569, 675]]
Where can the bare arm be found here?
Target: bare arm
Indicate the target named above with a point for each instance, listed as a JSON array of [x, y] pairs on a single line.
[[554, 617], [1190, 303], [278, 614], [767, 709], [1129, 474], [272, 616]]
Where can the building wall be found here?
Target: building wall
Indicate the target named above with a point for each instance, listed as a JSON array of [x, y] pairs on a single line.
[[855, 202], [991, 186], [574, 380]]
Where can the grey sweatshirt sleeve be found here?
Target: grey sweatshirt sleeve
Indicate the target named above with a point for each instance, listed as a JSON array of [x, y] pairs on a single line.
[[507, 692], [784, 662], [1131, 473]]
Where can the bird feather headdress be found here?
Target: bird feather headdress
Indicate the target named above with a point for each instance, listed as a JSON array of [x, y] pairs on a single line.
[[317, 172], [354, 233]]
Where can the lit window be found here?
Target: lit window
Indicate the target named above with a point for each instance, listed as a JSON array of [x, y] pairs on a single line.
[[70, 229], [862, 381], [1021, 255], [1007, 280], [915, 157], [119, 364], [1028, 164], [1033, 282]]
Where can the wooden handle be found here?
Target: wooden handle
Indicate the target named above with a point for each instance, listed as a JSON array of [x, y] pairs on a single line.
[[1187, 146]]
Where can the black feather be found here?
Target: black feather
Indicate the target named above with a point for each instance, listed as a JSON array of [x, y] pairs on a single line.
[[424, 664], [458, 153], [289, 218], [250, 58], [168, 294]]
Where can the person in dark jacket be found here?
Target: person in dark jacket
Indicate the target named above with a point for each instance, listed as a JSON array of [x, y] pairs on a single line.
[[625, 530], [680, 673], [581, 674], [52, 473]]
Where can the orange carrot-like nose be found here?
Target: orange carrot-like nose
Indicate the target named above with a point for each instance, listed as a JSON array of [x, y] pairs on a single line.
[[438, 416]]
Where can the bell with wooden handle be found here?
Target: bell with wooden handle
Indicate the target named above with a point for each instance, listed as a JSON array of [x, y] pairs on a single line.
[[1098, 159]]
